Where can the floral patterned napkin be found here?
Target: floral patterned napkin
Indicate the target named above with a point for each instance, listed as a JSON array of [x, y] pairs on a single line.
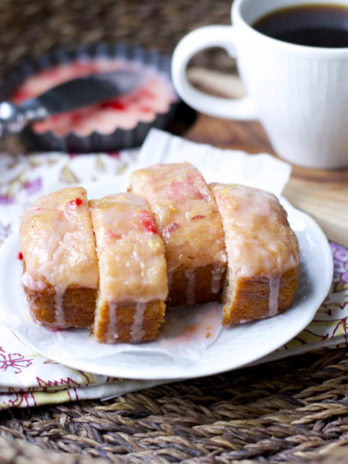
[[29, 379]]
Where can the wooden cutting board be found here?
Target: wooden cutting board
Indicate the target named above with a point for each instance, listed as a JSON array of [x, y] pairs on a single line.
[[321, 193]]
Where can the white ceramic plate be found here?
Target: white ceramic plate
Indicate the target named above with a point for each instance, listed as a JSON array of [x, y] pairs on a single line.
[[234, 348]]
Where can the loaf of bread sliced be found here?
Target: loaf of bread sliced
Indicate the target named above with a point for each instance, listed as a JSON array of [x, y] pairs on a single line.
[[189, 222], [133, 272], [263, 254], [60, 262]]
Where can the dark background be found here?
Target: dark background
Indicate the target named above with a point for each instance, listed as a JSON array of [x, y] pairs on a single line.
[[32, 27]]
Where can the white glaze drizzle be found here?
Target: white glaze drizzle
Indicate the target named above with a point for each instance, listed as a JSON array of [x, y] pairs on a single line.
[[35, 285], [255, 246], [190, 286], [112, 335], [216, 275], [59, 305], [137, 331], [178, 195], [273, 296]]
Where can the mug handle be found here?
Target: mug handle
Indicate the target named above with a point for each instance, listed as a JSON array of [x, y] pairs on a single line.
[[195, 41]]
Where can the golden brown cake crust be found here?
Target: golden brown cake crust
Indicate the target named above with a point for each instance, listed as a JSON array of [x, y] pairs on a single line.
[[153, 318], [263, 254], [191, 286], [251, 297], [78, 306]]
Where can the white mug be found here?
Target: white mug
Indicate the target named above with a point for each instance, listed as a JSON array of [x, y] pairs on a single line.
[[299, 93]]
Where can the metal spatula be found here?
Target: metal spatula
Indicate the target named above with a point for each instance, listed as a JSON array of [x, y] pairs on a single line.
[[70, 95]]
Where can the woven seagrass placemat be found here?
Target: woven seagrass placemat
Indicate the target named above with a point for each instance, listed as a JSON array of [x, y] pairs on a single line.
[[287, 411], [294, 410]]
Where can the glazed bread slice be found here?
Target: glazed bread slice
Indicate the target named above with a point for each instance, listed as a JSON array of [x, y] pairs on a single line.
[[189, 223], [263, 254], [60, 262], [132, 267]]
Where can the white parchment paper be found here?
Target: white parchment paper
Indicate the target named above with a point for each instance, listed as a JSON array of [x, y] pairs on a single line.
[[217, 165]]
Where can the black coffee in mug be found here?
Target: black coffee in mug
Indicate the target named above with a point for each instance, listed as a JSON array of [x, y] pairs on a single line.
[[317, 25]]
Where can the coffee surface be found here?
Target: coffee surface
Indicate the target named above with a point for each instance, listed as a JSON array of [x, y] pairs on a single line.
[[317, 25]]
